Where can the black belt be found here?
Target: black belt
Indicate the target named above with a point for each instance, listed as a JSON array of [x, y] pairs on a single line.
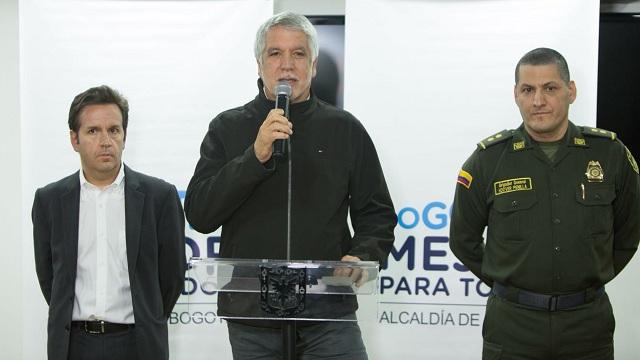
[[546, 302], [100, 327]]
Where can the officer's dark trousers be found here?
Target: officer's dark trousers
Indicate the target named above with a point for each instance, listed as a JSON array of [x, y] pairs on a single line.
[[513, 331]]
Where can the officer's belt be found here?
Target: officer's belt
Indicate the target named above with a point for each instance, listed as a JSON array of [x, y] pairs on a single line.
[[546, 302]]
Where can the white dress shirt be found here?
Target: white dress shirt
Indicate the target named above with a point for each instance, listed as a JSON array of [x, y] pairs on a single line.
[[102, 289]]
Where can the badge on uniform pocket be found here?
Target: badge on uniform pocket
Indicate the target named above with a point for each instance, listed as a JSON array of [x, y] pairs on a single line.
[[594, 172]]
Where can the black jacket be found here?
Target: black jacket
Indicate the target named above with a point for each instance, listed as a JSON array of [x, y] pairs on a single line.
[[335, 171], [155, 254]]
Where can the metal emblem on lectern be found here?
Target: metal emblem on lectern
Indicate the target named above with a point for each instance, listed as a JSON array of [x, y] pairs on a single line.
[[282, 290]]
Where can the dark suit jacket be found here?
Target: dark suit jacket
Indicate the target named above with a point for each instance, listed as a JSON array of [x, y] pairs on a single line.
[[155, 254]]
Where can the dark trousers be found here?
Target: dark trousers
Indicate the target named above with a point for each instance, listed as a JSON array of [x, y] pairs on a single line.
[[517, 332], [337, 340], [115, 346]]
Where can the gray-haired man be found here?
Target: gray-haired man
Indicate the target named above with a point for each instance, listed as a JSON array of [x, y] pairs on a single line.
[[238, 184]]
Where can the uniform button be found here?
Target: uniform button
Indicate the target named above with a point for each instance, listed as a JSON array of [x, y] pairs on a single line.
[[597, 196], [514, 203], [555, 195], [556, 221], [557, 248]]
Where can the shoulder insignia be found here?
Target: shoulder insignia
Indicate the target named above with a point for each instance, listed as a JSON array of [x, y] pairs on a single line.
[[465, 178], [591, 131], [634, 164], [495, 139], [519, 145]]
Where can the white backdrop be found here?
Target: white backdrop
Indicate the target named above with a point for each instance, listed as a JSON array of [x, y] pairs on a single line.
[[428, 79], [178, 62]]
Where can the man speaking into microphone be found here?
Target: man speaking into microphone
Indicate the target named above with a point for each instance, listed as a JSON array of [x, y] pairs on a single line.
[[291, 203]]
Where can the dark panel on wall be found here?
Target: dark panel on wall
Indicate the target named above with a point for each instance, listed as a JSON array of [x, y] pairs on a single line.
[[329, 81], [619, 78]]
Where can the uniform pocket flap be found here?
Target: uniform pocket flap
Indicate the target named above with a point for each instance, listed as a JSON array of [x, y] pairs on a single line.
[[591, 194], [516, 201]]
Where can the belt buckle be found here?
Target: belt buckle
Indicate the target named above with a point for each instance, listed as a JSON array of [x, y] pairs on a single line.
[[101, 331], [553, 303]]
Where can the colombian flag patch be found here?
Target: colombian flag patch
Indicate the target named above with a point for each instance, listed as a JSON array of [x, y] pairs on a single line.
[[465, 179]]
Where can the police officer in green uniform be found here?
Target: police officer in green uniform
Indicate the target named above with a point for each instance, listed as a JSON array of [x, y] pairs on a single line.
[[561, 204]]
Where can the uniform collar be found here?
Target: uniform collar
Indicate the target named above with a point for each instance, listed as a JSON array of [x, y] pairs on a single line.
[[522, 141]]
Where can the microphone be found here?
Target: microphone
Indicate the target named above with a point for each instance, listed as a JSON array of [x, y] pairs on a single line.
[[283, 92]]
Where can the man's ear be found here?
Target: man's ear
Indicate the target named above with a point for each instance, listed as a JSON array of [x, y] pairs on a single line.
[[75, 141], [314, 68], [573, 91]]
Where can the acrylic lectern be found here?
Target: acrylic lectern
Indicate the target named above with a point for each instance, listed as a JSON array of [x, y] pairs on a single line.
[[287, 291]]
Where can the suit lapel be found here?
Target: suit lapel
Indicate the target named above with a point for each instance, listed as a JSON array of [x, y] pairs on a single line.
[[133, 208], [70, 213]]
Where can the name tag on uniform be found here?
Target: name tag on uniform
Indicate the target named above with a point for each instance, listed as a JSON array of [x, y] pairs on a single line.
[[511, 185]]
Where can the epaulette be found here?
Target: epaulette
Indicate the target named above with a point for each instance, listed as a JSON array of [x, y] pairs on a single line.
[[591, 131], [495, 139]]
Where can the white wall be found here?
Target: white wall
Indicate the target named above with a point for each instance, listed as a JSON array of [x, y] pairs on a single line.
[[13, 207], [310, 7], [178, 63], [10, 182], [336, 7], [442, 83]]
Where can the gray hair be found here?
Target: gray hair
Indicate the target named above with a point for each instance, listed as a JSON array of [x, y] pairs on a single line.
[[545, 56], [291, 21]]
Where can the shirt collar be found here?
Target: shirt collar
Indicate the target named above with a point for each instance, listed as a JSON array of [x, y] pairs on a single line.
[[116, 183]]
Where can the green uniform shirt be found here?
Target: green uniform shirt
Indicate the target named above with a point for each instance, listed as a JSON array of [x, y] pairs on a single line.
[[552, 226]]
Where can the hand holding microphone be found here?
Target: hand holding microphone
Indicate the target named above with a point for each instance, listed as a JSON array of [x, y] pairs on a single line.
[[276, 128], [283, 92]]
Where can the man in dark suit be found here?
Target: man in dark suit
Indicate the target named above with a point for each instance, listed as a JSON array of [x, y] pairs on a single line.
[[109, 244]]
